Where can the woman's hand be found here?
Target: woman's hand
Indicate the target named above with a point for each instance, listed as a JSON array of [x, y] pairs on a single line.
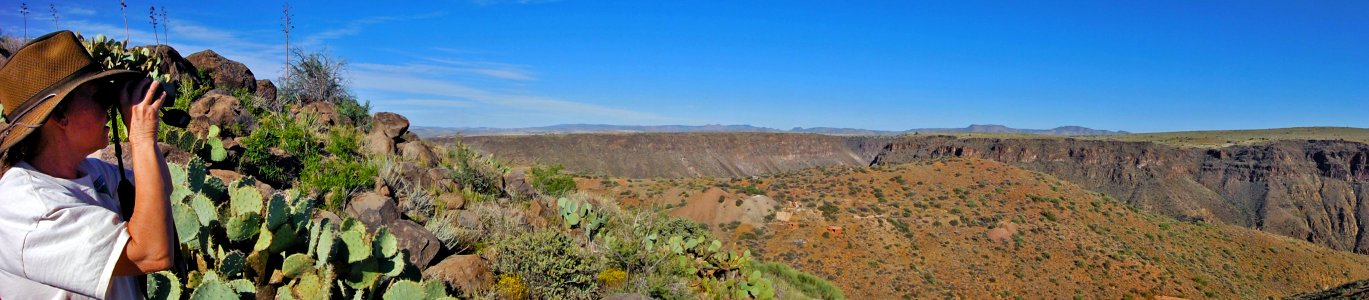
[[141, 112]]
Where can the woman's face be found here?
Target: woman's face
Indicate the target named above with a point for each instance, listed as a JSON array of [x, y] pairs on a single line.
[[86, 120]]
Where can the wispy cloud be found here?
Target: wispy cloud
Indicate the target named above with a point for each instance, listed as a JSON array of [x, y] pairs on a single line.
[[396, 80], [448, 103], [357, 26]]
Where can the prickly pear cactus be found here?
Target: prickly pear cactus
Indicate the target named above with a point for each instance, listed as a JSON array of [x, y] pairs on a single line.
[[238, 240]]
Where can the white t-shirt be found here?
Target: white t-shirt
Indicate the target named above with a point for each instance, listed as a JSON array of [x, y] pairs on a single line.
[[60, 238]]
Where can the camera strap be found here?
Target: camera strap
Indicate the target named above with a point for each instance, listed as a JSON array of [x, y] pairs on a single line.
[[179, 265]]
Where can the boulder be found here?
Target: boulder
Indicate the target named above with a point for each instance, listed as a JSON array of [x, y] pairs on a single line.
[[441, 179], [408, 136], [391, 124], [413, 238], [223, 110], [225, 175], [383, 188], [378, 144], [372, 209], [325, 214], [172, 63], [452, 200], [325, 114], [417, 152], [266, 90], [469, 273], [412, 173], [227, 74], [469, 220], [517, 186]]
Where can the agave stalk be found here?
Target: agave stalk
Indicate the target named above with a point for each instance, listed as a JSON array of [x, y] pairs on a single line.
[[152, 16], [24, 10], [53, 8], [286, 26], [123, 9], [166, 36]]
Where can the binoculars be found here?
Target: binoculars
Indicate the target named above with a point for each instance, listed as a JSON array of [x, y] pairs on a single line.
[[173, 117]]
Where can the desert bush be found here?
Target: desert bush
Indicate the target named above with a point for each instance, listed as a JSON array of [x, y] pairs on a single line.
[[751, 190], [550, 180], [551, 264], [338, 178], [481, 174], [315, 76], [282, 133]]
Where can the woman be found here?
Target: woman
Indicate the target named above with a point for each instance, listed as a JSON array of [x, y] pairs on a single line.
[[61, 236]]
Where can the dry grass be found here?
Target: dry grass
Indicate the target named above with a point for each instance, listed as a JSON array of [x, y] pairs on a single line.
[[929, 237]]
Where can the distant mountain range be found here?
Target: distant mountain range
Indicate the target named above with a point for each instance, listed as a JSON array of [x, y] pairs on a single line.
[[426, 132]]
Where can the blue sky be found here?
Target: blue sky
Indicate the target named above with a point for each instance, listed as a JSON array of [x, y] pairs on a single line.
[[1139, 66]]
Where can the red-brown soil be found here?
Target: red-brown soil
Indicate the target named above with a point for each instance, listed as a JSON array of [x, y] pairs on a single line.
[[979, 229]]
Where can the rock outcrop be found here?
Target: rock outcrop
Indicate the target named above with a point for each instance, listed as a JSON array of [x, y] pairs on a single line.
[[1312, 190], [266, 90], [227, 74], [172, 62], [378, 211], [221, 109]]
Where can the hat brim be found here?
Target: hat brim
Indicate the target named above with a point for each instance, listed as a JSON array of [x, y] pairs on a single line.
[[19, 128]]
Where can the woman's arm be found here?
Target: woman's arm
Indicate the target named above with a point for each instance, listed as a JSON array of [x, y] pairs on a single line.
[[150, 247]]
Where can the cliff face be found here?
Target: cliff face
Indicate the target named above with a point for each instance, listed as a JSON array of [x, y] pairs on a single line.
[[1312, 190], [678, 154]]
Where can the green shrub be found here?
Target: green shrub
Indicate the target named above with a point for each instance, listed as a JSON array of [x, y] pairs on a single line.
[[751, 190], [480, 174], [551, 264], [551, 181], [358, 113], [337, 176], [283, 133]]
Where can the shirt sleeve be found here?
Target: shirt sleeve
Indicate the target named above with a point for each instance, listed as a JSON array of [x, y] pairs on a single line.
[[74, 246]]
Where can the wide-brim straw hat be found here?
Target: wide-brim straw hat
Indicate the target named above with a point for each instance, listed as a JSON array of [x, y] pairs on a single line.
[[40, 75]]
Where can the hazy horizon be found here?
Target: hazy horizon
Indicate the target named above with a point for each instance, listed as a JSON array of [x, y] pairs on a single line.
[[1137, 67]]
